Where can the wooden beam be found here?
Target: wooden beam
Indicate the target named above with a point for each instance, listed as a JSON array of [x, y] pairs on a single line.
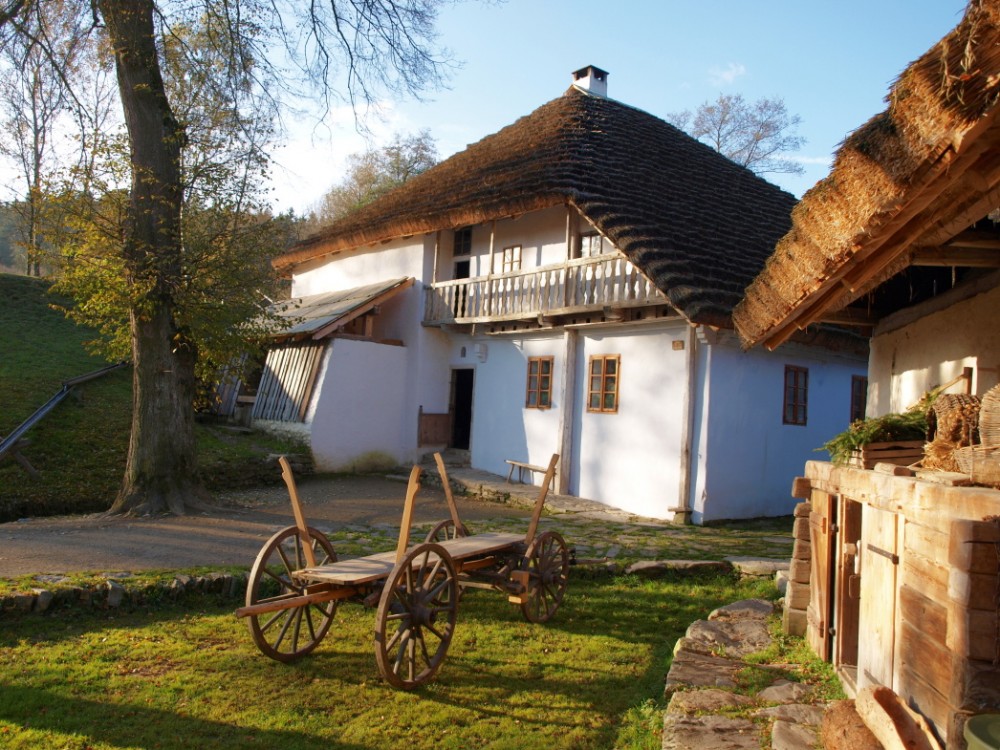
[[976, 238], [850, 317], [961, 256]]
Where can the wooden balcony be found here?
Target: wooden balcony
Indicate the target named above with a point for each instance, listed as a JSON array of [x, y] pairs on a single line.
[[579, 285]]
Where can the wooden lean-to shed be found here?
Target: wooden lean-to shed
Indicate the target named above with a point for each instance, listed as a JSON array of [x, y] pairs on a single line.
[[901, 241]]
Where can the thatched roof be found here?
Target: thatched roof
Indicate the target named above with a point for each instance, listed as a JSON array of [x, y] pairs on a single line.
[[696, 223], [905, 182]]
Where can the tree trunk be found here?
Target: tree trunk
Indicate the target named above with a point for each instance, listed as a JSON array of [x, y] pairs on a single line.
[[161, 471]]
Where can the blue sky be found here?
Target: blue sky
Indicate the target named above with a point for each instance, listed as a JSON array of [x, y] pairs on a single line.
[[831, 62]]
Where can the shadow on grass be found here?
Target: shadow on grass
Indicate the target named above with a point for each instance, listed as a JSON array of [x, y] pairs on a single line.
[[128, 725]]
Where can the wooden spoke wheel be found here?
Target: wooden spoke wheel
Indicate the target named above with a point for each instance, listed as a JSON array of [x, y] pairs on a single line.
[[444, 531], [416, 617], [287, 634], [547, 564]]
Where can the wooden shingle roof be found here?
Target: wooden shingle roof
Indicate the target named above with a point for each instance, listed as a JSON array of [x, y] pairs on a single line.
[[698, 225], [906, 182]]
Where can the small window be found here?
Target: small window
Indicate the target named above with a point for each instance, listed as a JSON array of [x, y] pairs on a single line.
[[602, 391], [510, 260], [796, 394], [539, 390], [463, 242], [859, 397], [591, 243]]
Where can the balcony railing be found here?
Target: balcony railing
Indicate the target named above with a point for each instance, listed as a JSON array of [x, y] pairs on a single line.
[[577, 285]]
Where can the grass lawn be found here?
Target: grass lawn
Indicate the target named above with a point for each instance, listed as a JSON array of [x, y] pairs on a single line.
[[186, 674]]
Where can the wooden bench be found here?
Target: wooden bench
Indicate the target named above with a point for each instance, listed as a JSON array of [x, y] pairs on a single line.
[[521, 467]]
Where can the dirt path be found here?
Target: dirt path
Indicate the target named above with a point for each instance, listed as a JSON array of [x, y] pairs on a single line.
[[226, 537]]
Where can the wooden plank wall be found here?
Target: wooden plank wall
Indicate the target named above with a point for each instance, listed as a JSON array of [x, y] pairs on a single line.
[[287, 381]]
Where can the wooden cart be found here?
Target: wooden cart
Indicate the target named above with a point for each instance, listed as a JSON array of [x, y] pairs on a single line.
[[296, 583]]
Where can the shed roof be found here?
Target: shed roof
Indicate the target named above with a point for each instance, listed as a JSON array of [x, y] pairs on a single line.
[[319, 315], [907, 182], [697, 224]]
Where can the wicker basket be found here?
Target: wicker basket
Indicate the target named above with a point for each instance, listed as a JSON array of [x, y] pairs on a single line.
[[981, 462], [989, 417]]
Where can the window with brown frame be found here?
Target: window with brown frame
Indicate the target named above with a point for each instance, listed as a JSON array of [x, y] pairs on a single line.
[[539, 391], [859, 397], [796, 395], [602, 391], [463, 242]]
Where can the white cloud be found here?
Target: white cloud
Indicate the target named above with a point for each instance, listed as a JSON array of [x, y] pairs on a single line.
[[725, 76], [825, 161]]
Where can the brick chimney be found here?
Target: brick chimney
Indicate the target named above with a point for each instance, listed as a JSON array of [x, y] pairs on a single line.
[[591, 79]]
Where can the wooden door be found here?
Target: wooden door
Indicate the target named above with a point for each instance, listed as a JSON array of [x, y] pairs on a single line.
[[820, 606], [848, 594], [877, 616]]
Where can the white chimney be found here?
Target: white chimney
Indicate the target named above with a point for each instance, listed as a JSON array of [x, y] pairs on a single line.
[[591, 79]]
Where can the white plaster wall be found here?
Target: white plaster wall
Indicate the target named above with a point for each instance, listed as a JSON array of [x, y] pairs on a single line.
[[750, 457], [541, 234], [367, 265], [502, 427], [908, 361], [360, 404], [631, 459]]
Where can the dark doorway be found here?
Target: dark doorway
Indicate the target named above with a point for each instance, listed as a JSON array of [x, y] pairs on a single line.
[[462, 270], [461, 408]]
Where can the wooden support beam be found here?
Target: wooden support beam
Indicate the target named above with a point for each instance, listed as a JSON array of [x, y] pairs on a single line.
[[965, 257], [300, 518], [412, 488]]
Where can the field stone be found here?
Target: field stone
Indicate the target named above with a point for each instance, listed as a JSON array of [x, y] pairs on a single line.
[[786, 692], [786, 735], [654, 568], [739, 638], [762, 567], [710, 700], [693, 669], [757, 609], [681, 732], [43, 599], [116, 593], [797, 713]]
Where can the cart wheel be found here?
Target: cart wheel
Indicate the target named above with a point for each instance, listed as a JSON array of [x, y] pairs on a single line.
[[444, 531], [289, 633], [416, 617], [547, 564]]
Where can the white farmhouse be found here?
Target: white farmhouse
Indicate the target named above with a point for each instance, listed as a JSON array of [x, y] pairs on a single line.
[[563, 286]]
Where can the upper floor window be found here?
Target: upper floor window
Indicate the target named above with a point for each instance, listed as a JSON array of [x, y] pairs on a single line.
[[591, 243], [539, 390], [796, 395], [510, 260], [859, 397], [463, 241], [602, 391]]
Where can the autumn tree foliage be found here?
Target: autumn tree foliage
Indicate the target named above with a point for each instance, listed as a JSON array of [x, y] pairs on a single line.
[[159, 232]]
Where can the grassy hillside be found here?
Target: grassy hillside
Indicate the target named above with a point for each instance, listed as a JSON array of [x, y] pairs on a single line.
[[79, 448]]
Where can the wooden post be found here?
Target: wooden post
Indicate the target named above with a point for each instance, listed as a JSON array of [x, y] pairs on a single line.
[[452, 508], [412, 488], [300, 519], [540, 502], [567, 409]]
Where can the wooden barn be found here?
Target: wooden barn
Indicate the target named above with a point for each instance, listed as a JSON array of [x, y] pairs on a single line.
[[901, 241]]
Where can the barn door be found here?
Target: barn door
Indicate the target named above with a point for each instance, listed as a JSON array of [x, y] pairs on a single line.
[[847, 599], [877, 618], [818, 614]]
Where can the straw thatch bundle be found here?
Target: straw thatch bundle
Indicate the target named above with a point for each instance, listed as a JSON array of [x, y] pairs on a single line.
[[898, 182]]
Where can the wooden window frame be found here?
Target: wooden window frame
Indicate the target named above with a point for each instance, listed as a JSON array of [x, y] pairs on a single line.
[[859, 397], [462, 244], [536, 383], [603, 383], [795, 402], [510, 259], [586, 242]]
